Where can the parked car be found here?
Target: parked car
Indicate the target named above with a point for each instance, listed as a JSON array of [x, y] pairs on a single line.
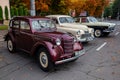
[[38, 36], [67, 24], [100, 28]]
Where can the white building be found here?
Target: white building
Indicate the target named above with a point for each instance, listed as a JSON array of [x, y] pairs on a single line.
[[4, 3]]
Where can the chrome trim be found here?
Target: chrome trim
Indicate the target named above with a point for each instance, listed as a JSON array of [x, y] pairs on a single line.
[[111, 29], [79, 53]]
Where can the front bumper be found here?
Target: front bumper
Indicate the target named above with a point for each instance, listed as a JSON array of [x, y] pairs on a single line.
[[85, 37], [77, 55], [111, 29]]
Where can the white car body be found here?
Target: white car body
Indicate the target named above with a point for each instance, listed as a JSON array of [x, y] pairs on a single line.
[[81, 32], [102, 27]]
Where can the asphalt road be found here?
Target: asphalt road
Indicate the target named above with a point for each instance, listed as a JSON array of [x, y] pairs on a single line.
[[101, 62]]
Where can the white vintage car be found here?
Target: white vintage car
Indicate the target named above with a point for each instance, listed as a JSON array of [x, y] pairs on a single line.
[[100, 28], [67, 24]]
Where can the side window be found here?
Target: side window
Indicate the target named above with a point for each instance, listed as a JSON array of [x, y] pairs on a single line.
[[84, 20], [55, 20], [24, 25], [14, 24]]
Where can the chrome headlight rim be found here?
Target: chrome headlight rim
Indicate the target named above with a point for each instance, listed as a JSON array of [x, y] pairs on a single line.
[[58, 42]]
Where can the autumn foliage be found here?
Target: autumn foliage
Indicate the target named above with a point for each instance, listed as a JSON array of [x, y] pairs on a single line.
[[93, 7]]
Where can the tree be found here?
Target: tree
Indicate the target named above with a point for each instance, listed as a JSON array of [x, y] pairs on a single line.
[[90, 6], [108, 11], [21, 13], [1, 13], [116, 9], [101, 4], [78, 6], [12, 11], [54, 7], [6, 13], [17, 7]]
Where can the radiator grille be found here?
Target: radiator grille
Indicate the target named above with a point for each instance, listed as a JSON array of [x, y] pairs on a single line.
[[68, 46]]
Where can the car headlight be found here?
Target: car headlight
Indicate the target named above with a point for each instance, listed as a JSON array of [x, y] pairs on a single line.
[[58, 41], [78, 32]]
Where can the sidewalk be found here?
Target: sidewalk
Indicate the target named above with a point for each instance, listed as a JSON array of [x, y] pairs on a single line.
[[2, 34]]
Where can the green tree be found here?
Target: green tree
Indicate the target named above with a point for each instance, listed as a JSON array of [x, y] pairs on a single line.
[[18, 7], [1, 13], [116, 9], [108, 11], [25, 11], [21, 11], [59, 7], [12, 11], [6, 13], [16, 12]]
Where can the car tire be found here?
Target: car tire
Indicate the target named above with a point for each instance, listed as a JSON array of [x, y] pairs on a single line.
[[44, 60], [106, 34], [98, 33], [10, 45]]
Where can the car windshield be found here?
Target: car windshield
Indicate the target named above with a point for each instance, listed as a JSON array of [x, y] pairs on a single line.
[[39, 24], [92, 19], [66, 20]]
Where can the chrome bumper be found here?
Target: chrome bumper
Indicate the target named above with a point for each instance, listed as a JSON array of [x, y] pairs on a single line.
[[111, 29], [85, 37], [77, 55]]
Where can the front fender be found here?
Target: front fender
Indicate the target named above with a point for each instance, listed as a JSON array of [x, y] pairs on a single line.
[[54, 51], [77, 46]]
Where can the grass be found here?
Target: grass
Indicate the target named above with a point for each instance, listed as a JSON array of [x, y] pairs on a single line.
[[3, 27]]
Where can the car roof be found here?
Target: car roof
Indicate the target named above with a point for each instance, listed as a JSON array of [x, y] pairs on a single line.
[[57, 15], [29, 17]]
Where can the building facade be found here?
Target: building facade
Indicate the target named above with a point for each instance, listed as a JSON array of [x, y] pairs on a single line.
[[4, 3]]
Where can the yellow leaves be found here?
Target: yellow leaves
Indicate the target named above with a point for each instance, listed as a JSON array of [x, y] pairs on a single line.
[[40, 5], [93, 7]]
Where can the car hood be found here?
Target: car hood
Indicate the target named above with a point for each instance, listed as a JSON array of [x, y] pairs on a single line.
[[53, 35], [100, 24], [75, 26]]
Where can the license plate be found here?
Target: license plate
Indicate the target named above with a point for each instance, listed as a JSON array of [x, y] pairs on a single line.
[[79, 53]]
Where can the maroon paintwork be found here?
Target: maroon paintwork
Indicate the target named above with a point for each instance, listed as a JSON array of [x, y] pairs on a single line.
[[30, 40]]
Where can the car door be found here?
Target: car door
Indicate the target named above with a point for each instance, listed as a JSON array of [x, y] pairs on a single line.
[[14, 24], [25, 39]]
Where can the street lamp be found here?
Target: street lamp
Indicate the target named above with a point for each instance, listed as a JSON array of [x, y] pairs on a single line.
[[32, 6]]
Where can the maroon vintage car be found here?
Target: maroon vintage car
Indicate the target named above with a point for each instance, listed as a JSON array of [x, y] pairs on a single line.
[[38, 36]]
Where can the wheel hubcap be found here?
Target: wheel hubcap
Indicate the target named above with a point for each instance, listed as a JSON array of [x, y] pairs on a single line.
[[10, 45], [97, 33], [43, 59]]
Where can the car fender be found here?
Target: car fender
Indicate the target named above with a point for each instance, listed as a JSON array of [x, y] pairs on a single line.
[[54, 50]]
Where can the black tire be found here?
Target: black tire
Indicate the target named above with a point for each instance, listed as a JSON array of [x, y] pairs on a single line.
[[106, 34], [98, 33], [44, 60], [10, 45]]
